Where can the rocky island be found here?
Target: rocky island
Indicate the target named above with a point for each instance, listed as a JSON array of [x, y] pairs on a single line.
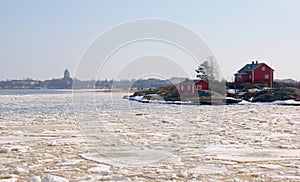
[[255, 93]]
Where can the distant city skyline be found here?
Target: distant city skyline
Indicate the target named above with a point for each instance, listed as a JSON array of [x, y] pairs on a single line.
[[40, 39]]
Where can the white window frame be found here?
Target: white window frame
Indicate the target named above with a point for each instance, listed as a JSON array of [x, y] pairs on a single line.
[[199, 87], [189, 87], [263, 68], [182, 88]]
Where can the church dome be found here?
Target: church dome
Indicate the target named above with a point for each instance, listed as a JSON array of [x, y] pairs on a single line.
[[66, 74]]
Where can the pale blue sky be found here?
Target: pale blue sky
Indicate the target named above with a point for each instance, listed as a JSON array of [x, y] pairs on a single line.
[[39, 39]]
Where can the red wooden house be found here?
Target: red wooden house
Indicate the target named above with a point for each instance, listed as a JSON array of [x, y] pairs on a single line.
[[192, 86], [255, 72]]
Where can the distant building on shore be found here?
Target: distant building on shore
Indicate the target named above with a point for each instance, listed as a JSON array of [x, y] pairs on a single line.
[[27, 83], [255, 73], [64, 83]]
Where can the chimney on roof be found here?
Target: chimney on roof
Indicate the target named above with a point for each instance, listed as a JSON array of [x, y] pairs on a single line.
[[186, 79], [252, 62], [256, 62]]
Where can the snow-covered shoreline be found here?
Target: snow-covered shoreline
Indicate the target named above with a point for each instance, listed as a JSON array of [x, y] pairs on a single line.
[[143, 99], [277, 102]]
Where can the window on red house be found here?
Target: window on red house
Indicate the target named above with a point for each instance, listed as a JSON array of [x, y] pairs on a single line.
[[199, 87], [266, 76]]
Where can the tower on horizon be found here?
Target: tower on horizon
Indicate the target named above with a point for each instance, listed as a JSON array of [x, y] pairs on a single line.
[[66, 74]]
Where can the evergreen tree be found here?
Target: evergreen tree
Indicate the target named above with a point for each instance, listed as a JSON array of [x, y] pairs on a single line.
[[207, 70]]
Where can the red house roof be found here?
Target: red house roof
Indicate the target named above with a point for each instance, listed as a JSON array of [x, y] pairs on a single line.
[[190, 82], [250, 67]]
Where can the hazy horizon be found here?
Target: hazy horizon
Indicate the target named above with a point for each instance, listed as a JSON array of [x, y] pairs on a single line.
[[40, 39]]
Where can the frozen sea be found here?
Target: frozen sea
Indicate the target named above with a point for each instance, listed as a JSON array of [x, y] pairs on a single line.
[[91, 136]]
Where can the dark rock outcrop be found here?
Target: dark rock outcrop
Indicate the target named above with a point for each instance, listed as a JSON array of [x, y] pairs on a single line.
[[171, 94], [270, 95]]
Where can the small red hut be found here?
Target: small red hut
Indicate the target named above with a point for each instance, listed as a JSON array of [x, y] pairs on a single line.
[[192, 86]]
